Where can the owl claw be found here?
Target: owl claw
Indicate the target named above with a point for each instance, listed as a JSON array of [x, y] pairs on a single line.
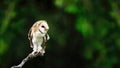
[[42, 54], [36, 53]]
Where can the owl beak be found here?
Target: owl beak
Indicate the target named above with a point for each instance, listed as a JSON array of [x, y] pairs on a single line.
[[46, 29]]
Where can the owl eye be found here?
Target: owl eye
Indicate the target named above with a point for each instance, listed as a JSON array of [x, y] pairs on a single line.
[[43, 26]]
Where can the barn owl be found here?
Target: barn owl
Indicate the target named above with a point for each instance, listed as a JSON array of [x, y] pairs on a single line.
[[38, 36]]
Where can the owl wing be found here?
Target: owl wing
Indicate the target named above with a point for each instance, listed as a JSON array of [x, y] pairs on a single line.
[[30, 36], [47, 37]]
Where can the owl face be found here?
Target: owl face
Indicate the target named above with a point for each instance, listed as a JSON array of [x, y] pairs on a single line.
[[43, 27]]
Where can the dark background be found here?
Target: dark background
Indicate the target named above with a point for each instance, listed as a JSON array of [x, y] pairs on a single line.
[[83, 33]]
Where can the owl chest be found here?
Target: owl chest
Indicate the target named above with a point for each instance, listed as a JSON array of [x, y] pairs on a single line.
[[38, 38]]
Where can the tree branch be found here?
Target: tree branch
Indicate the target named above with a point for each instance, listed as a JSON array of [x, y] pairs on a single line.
[[30, 56]]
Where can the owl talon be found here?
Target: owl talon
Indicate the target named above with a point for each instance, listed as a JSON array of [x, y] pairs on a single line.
[[41, 54]]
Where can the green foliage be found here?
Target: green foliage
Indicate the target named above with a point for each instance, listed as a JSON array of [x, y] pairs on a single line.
[[96, 25], [69, 7], [83, 33], [84, 26], [3, 47]]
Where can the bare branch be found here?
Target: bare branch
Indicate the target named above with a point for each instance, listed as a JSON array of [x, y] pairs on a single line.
[[30, 56]]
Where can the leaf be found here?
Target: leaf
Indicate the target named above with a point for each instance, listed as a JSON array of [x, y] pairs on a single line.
[[84, 26], [3, 46], [59, 3], [88, 54], [71, 9]]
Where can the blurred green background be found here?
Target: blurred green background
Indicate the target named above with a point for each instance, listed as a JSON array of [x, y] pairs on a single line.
[[83, 33]]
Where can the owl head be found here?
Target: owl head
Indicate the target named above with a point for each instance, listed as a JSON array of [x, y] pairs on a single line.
[[42, 26]]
